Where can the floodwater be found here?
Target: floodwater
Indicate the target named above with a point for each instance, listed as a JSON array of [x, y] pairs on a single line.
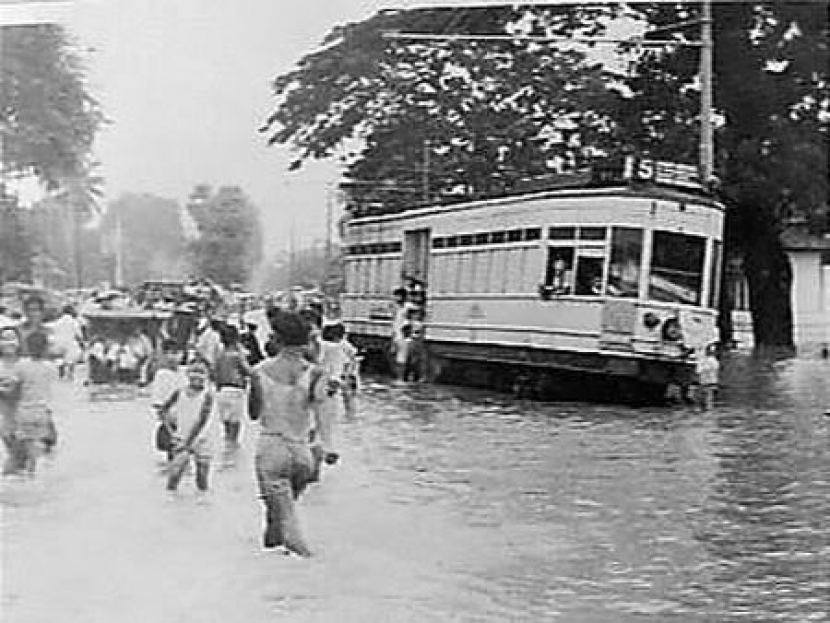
[[449, 504]]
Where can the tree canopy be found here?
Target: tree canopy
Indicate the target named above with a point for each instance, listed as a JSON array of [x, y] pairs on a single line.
[[426, 120], [771, 88], [228, 246], [47, 116], [445, 118], [151, 235]]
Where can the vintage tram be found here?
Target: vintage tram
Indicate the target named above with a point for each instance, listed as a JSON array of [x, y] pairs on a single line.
[[616, 278]]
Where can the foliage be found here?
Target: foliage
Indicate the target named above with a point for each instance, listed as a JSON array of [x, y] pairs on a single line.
[[229, 243], [445, 118], [772, 89], [15, 250], [436, 119], [152, 239], [48, 118]]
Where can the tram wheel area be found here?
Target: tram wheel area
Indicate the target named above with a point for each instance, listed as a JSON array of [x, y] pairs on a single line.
[[529, 375]]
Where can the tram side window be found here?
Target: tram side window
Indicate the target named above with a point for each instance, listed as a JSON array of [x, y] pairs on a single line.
[[486, 258], [438, 273], [589, 276], [676, 274], [624, 269], [494, 279], [559, 270]]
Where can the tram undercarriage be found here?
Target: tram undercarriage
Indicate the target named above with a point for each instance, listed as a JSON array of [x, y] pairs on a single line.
[[540, 373]]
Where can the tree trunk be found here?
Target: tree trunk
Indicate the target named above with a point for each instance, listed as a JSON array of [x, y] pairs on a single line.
[[726, 305], [769, 276]]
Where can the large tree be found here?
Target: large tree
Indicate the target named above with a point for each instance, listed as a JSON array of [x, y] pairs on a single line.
[[771, 88], [485, 114], [149, 232], [444, 118], [228, 246], [49, 118], [48, 121]]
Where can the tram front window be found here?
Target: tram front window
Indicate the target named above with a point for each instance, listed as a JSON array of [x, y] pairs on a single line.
[[624, 269], [676, 274]]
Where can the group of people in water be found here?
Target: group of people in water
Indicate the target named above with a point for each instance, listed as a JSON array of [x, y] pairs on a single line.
[[293, 390], [293, 387]]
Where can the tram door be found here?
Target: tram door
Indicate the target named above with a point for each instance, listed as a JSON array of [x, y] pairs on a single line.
[[415, 264]]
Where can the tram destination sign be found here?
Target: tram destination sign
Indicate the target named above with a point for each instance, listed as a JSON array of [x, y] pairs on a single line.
[[634, 169]]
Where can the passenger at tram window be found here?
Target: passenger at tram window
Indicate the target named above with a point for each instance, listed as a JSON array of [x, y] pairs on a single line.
[[589, 276], [560, 270], [623, 279]]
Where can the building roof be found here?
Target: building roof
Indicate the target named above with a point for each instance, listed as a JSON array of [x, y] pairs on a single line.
[[799, 239]]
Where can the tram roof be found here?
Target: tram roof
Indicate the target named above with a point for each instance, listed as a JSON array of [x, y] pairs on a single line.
[[640, 190]]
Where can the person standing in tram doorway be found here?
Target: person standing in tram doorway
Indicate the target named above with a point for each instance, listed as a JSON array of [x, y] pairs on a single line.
[[398, 340]]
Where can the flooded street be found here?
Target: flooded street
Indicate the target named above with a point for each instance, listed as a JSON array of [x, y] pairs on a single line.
[[449, 504]]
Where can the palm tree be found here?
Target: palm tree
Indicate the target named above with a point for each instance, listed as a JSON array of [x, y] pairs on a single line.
[[81, 195]]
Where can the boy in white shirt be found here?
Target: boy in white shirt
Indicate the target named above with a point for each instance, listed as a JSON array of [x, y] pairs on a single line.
[[339, 359], [189, 412]]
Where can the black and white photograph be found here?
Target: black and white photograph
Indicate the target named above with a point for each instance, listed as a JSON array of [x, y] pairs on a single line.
[[369, 311]]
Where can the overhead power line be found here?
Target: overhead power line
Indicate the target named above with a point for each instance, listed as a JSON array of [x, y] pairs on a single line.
[[636, 41]]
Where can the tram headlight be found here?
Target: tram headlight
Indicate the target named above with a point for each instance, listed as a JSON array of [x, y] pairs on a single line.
[[671, 330], [651, 320]]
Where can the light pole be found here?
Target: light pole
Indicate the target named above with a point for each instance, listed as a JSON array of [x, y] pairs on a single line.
[[707, 143]]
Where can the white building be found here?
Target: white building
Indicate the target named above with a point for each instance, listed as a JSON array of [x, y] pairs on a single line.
[[810, 260]]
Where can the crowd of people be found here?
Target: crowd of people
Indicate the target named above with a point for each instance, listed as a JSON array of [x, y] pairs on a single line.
[[293, 390], [293, 386]]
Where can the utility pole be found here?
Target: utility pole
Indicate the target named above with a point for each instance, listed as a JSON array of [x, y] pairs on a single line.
[[425, 172], [291, 251], [327, 263], [328, 225], [707, 147], [118, 278]]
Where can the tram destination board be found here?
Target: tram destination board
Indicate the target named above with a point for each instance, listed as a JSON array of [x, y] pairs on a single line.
[[633, 169]]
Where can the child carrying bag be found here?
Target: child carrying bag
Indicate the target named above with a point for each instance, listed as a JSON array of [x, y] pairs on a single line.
[[164, 432]]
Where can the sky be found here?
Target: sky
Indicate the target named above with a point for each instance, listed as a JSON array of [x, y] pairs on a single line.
[[185, 85]]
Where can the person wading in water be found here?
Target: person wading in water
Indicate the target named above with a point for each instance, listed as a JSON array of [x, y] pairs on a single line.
[[286, 392]]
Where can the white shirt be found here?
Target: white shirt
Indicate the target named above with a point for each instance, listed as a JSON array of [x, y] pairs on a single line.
[[338, 358], [66, 331], [164, 384]]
